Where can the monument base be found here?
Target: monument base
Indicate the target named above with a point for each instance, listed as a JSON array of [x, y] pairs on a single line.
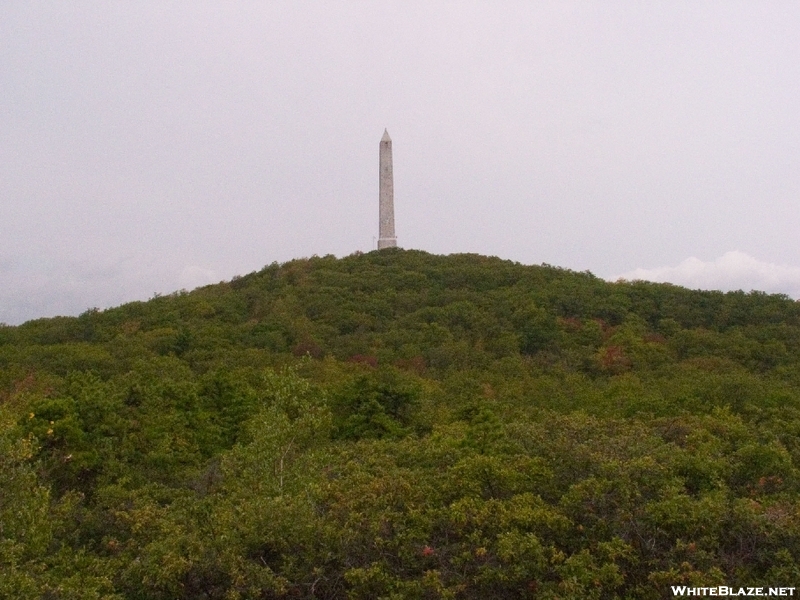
[[387, 243]]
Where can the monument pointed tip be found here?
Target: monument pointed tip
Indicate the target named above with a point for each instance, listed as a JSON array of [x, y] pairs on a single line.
[[386, 137]]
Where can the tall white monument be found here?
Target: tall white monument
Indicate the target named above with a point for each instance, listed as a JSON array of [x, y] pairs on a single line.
[[386, 236]]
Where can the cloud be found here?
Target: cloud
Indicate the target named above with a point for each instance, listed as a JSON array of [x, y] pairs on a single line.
[[33, 286], [193, 276], [38, 286], [732, 271]]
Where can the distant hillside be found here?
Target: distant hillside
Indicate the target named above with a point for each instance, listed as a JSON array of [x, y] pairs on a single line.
[[403, 425]]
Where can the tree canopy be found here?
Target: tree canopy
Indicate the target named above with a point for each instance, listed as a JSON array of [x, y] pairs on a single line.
[[403, 425]]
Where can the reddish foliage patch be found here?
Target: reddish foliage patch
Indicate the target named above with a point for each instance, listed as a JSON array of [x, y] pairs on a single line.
[[614, 359], [655, 338], [308, 347], [571, 324], [364, 359], [415, 364]]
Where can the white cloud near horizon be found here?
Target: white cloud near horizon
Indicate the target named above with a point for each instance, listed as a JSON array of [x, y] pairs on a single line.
[[733, 270], [32, 287], [195, 276]]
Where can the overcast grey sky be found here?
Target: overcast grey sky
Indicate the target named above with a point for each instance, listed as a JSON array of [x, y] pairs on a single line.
[[147, 147]]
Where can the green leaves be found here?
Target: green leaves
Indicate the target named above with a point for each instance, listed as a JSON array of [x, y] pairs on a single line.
[[395, 425], [375, 405]]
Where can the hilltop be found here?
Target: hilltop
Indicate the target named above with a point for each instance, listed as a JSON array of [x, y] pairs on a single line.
[[403, 425]]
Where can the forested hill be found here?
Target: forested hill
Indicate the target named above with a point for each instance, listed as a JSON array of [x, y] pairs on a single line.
[[402, 425]]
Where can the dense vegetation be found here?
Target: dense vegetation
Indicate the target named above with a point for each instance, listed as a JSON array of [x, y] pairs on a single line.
[[402, 425]]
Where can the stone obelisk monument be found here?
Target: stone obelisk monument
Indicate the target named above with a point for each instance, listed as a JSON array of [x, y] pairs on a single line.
[[386, 236]]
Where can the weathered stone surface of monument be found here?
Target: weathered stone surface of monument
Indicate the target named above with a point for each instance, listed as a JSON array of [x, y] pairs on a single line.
[[386, 235]]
